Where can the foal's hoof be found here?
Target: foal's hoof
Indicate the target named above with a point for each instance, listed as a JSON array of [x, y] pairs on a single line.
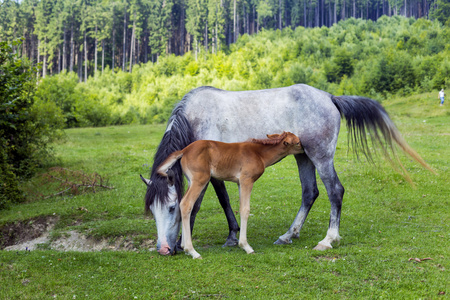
[[322, 247], [282, 242], [231, 243]]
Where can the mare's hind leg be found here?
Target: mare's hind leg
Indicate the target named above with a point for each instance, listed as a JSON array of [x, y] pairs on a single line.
[[307, 173], [233, 227], [335, 192]]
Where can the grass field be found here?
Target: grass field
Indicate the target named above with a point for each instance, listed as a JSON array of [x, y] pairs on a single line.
[[386, 224]]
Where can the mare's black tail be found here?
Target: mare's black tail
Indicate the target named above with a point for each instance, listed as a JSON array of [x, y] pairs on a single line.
[[367, 115]]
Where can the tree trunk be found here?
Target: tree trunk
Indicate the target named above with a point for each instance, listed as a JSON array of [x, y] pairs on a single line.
[[217, 40], [85, 58], [64, 62], [80, 66], [234, 21], [304, 13], [113, 48], [132, 42], [103, 55], [72, 48], [145, 47], [354, 8], [182, 28], [343, 9], [138, 51], [254, 21], [96, 49], [335, 13], [38, 55], [59, 59], [44, 64], [279, 15], [124, 39], [206, 37]]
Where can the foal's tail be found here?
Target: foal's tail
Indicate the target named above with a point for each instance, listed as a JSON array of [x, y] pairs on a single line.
[[168, 163], [367, 115]]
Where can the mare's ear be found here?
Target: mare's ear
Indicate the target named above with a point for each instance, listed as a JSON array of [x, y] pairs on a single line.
[[146, 181], [273, 136], [170, 177]]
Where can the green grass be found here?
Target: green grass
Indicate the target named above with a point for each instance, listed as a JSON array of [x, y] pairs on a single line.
[[385, 222]]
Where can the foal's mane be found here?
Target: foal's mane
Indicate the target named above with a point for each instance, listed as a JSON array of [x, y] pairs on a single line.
[[270, 141]]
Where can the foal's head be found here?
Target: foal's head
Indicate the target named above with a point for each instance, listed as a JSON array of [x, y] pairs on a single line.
[[290, 141]]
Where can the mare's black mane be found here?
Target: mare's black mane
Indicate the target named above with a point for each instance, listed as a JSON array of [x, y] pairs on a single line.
[[177, 137]]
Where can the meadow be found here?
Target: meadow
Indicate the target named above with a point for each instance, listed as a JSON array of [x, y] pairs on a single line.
[[395, 235]]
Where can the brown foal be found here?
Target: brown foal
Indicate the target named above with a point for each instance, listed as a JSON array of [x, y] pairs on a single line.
[[242, 163]]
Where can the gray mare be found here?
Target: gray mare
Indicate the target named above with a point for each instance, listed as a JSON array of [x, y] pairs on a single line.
[[207, 113]]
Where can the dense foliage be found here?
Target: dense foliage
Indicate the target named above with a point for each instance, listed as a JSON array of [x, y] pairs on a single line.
[[25, 129], [86, 35], [376, 59]]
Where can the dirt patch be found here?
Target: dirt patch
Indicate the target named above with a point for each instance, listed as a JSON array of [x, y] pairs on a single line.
[[24, 231], [30, 234]]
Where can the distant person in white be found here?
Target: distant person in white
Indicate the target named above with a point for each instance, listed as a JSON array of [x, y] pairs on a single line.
[[441, 96]]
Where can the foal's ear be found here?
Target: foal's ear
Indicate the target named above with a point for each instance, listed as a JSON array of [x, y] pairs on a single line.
[[146, 181], [273, 136], [170, 177]]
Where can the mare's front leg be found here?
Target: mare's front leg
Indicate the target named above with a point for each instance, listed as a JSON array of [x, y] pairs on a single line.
[[245, 190], [310, 192], [186, 205], [233, 227]]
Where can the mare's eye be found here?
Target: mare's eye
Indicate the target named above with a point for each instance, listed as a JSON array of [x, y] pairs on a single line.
[[172, 209]]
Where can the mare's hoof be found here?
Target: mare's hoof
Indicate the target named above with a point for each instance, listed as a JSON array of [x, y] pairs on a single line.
[[231, 243], [321, 247], [282, 242], [198, 257]]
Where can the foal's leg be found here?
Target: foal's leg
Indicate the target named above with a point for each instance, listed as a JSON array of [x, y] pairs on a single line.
[[245, 190], [233, 227], [186, 205], [194, 212], [310, 192], [335, 192]]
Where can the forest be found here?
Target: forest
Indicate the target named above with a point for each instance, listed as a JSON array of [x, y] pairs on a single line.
[[394, 55], [85, 36]]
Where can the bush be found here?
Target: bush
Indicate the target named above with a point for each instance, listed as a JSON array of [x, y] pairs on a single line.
[[392, 72], [61, 91], [26, 129], [9, 184]]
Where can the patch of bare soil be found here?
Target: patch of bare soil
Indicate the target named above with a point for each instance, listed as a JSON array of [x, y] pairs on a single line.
[[28, 235], [22, 232]]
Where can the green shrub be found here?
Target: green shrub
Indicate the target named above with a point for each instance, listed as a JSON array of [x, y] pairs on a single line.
[[26, 130]]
